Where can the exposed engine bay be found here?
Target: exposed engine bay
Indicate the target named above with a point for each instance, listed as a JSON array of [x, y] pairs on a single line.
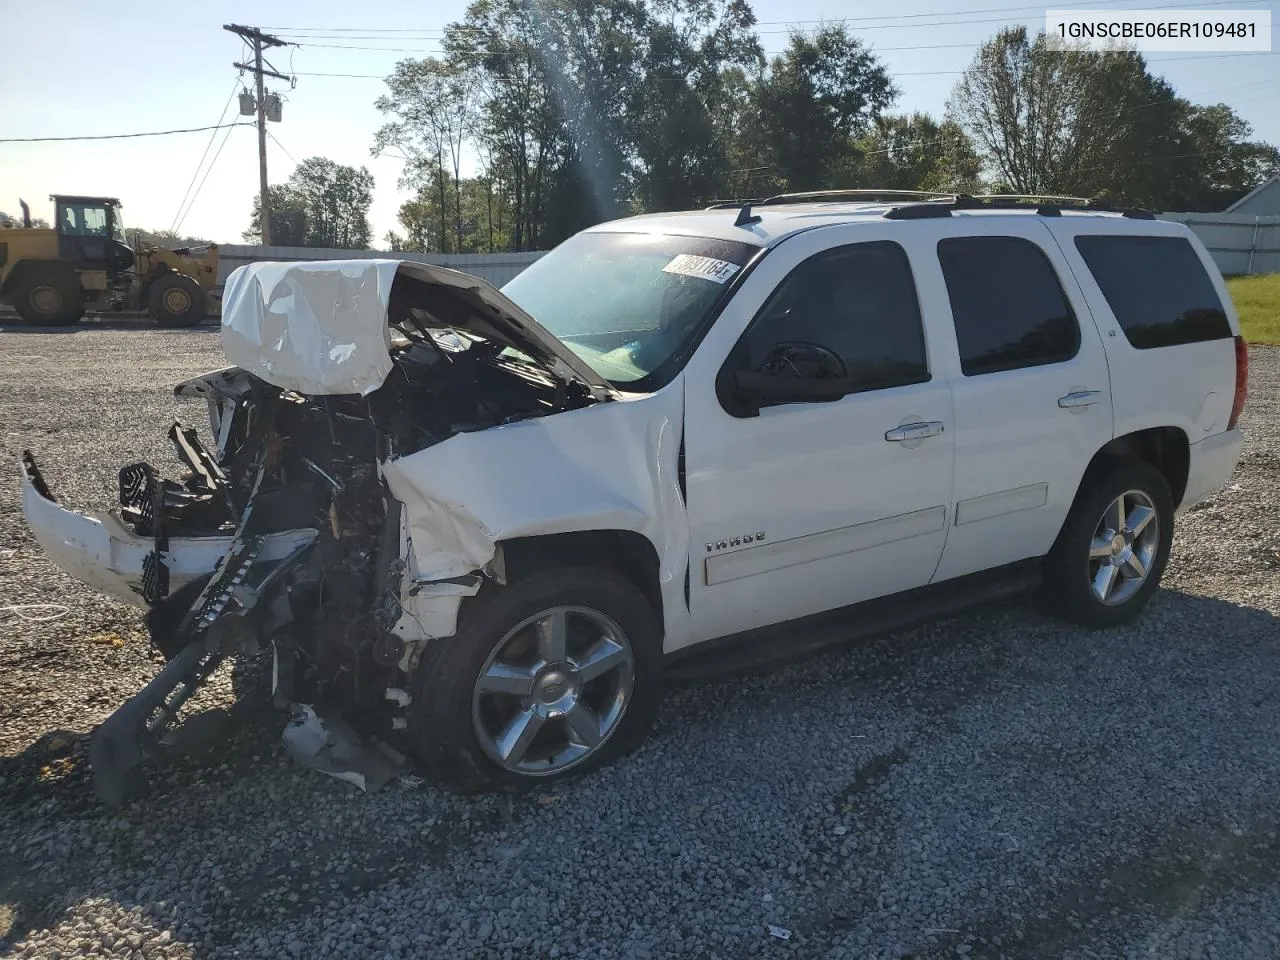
[[315, 564]]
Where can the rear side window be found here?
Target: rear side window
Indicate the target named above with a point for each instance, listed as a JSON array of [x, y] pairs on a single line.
[[1157, 288], [1007, 304]]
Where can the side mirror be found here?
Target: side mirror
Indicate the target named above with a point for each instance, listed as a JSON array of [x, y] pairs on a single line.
[[772, 388], [790, 373]]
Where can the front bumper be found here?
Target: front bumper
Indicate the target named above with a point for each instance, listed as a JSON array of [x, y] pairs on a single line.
[[98, 549]]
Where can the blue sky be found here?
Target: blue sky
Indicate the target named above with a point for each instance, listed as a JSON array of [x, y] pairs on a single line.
[[99, 68]]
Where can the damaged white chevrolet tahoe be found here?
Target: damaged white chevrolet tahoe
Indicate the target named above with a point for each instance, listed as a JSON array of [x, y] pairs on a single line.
[[483, 525]]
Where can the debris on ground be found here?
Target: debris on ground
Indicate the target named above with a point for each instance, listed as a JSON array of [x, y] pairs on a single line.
[[331, 746]]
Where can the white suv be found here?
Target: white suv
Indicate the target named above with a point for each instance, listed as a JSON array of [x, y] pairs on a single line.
[[727, 432]]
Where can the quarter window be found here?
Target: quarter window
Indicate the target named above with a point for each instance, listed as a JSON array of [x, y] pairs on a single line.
[[1157, 289], [1007, 303], [856, 301]]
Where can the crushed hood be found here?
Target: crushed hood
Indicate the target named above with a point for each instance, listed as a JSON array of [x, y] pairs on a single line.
[[321, 327]]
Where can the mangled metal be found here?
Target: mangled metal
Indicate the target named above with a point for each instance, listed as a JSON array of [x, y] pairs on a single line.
[[333, 519]]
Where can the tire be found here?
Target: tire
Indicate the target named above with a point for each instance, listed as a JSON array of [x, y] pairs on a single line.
[[49, 297], [176, 300], [1077, 570], [456, 728]]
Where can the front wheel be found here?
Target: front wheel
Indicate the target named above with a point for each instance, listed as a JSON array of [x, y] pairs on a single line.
[[176, 300], [1113, 548], [548, 678]]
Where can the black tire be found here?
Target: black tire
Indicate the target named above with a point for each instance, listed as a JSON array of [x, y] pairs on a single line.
[[176, 300], [49, 297], [1069, 588], [441, 723]]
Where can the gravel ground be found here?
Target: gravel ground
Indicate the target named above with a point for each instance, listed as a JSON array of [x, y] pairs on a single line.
[[996, 785]]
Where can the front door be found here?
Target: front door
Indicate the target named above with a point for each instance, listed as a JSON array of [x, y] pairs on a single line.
[[814, 504]]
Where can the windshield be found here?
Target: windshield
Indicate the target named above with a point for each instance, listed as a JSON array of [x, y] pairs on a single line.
[[631, 305]]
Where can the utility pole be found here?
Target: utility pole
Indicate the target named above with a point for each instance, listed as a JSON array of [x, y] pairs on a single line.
[[260, 41]]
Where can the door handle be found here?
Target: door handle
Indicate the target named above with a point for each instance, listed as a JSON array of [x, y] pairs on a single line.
[[914, 431], [1079, 398]]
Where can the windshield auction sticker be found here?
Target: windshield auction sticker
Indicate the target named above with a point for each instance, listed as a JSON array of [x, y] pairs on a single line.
[[706, 268], [1155, 31]]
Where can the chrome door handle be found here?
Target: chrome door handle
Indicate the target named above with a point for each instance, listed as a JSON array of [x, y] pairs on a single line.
[[1080, 398], [914, 431]]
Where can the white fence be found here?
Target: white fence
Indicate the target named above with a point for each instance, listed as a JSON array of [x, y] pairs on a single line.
[[497, 268], [1238, 242]]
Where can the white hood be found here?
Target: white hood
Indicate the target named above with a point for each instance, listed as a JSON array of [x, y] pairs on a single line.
[[320, 327]]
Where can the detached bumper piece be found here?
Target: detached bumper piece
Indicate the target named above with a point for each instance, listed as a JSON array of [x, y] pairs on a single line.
[[215, 625]]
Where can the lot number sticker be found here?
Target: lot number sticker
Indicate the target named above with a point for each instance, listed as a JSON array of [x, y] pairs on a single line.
[[706, 268]]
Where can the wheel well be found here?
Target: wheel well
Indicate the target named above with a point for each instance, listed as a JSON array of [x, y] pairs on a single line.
[[1165, 448], [626, 553]]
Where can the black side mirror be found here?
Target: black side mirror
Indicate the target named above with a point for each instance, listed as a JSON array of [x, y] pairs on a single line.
[[790, 373]]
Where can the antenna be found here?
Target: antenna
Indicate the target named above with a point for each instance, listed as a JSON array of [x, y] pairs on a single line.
[[746, 217]]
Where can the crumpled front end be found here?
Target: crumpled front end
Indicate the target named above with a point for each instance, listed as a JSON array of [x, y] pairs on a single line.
[[287, 532]]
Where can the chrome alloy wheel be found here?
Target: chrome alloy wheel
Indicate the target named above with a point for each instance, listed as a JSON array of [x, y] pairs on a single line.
[[553, 690], [1124, 546]]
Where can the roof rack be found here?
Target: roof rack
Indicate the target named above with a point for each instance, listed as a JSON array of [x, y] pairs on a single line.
[[1044, 206], [925, 204], [870, 194]]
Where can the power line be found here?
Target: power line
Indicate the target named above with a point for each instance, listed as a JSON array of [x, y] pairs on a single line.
[[121, 136], [290, 31], [905, 73], [282, 147], [209, 169], [181, 203]]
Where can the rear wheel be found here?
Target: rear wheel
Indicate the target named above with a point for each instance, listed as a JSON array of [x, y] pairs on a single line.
[[49, 298], [549, 678], [1112, 551], [176, 300]]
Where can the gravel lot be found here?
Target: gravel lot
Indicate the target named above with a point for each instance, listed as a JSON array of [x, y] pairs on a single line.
[[996, 785]]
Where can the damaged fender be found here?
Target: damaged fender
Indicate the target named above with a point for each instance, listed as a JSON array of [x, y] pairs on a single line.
[[611, 467]]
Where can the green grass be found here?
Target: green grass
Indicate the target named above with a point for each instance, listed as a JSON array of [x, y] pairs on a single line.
[[1257, 300]]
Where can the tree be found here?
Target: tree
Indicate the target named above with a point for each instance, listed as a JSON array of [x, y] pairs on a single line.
[[917, 152], [167, 239], [8, 221], [1100, 124], [324, 204], [288, 218], [431, 101], [684, 110], [1225, 163], [813, 100]]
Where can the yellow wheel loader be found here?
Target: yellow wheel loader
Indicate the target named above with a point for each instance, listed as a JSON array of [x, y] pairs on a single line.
[[51, 276]]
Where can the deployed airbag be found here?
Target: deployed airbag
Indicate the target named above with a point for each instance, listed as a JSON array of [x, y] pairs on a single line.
[[318, 328]]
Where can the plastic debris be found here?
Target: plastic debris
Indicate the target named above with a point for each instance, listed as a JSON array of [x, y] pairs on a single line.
[[332, 747], [26, 611], [782, 933]]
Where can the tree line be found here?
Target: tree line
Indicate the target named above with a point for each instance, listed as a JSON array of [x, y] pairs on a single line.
[[540, 119]]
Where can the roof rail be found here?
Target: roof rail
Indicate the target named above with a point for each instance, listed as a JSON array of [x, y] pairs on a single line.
[[1041, 205], [872, 194]]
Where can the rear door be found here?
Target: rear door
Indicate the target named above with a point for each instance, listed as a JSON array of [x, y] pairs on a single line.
[[1029, 383], [1160, 304]]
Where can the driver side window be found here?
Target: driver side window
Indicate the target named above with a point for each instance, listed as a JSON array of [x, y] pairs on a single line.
[[856, 302]]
